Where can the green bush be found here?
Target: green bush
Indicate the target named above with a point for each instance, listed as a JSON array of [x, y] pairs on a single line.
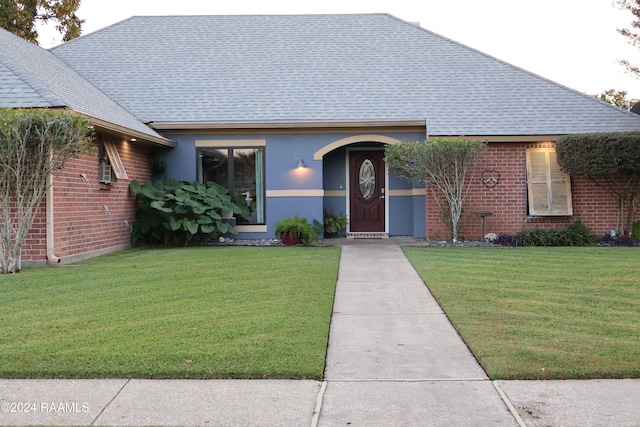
[[296, 227], [173, 212], [538, 237], [334, 223], [576, 234]]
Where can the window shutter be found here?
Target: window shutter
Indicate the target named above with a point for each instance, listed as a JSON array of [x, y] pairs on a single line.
[[114, 159], [549, 189]]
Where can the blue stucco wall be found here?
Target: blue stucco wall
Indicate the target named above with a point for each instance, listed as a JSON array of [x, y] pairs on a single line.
[[406, 213]]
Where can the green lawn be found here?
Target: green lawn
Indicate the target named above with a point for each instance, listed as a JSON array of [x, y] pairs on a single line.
[[214, 312], [541, 313]]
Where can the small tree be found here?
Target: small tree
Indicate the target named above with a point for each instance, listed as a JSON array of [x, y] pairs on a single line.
[[443, 164], [633, 35], [611, 160], [615, 97], [34, 144]]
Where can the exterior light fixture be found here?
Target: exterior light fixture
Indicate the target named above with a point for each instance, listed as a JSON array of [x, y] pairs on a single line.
[[133, 140], [300, 164]]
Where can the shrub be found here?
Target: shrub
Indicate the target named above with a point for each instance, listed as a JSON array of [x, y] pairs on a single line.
[[334, 223], [538, 237], [296, 227], [179, 213], [576, 234]]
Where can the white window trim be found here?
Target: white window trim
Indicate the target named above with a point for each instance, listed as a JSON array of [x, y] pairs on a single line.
[[533, 210], [231, 143]]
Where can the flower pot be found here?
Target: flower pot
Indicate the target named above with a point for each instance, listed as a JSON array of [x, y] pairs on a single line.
[[290, 240]]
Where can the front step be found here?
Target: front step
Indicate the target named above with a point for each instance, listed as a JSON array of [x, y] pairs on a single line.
[[368, 235]]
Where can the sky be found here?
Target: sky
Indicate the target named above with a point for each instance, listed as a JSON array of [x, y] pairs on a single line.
[[572, 42]]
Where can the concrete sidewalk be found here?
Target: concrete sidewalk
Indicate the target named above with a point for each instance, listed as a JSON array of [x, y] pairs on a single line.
[[393, 359]]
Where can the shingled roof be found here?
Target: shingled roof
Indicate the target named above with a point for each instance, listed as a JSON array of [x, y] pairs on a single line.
[[278, 69], [32, 77]]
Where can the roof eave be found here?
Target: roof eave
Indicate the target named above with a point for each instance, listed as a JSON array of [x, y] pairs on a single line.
[[286, 124], [131, 133], [336, 124], [506, 138]]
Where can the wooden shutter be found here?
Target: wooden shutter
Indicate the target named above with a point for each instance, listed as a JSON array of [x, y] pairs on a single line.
[[549, 189], [114, 158]]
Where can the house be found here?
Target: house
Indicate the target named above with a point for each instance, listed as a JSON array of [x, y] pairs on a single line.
[[245, 100], [89, 209]]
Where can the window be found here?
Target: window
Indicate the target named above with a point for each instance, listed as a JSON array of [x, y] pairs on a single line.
[[549, 189], [109, 162], [240, 170]]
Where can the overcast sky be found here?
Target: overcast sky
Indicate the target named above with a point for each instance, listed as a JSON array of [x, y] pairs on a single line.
[[572, 42]]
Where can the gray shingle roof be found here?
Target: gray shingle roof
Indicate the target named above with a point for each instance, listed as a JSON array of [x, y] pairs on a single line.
[[310, 68], [32, 77]]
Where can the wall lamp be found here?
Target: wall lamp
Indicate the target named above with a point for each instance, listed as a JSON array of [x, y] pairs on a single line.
[[300, 164]]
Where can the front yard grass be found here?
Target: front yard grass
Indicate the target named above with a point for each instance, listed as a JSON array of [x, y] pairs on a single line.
[[225, 312], [541, 313]]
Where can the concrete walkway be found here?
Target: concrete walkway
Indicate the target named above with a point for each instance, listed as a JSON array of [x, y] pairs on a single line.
[[393, 359]]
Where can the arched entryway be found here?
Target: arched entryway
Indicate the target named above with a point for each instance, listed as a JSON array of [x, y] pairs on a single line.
[[356, 181]]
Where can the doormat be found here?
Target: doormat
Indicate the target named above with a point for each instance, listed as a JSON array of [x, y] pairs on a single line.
[[368, 235]]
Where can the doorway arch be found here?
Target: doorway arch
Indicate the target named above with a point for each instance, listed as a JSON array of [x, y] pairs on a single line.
[[318, 155]]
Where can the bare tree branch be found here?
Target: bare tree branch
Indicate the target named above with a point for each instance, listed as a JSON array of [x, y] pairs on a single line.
[[33, 145]]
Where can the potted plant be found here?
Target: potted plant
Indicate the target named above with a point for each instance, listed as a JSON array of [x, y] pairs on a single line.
[[294, 230], [334, 223]]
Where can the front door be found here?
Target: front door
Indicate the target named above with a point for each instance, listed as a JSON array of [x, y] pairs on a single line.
[[367, 192]]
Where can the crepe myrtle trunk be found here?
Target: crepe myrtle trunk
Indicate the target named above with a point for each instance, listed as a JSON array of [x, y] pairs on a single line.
[[34, 144], [445, 165]]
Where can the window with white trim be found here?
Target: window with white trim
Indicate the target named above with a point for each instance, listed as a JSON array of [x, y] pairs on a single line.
[[240, 170], [548, 188]]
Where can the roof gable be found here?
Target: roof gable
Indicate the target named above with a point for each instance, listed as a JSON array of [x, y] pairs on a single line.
[[330, 68], [32, 77]]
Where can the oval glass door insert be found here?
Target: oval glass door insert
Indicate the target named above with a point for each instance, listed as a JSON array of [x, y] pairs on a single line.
[[367, 179]]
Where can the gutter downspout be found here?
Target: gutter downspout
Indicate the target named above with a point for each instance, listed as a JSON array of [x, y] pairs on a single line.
[[52, 259]]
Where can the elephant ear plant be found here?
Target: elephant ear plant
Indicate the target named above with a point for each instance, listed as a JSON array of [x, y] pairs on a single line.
[[173, 212]]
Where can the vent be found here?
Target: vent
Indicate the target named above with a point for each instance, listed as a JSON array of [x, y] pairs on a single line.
[[105, 174]]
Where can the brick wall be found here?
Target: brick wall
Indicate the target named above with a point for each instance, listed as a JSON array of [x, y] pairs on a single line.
[[593, 205], [81, 223], [34, 246]]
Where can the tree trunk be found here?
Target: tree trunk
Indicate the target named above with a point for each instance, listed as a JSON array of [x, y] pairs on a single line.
[[14, 260], [455, 218], [11, 255]]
